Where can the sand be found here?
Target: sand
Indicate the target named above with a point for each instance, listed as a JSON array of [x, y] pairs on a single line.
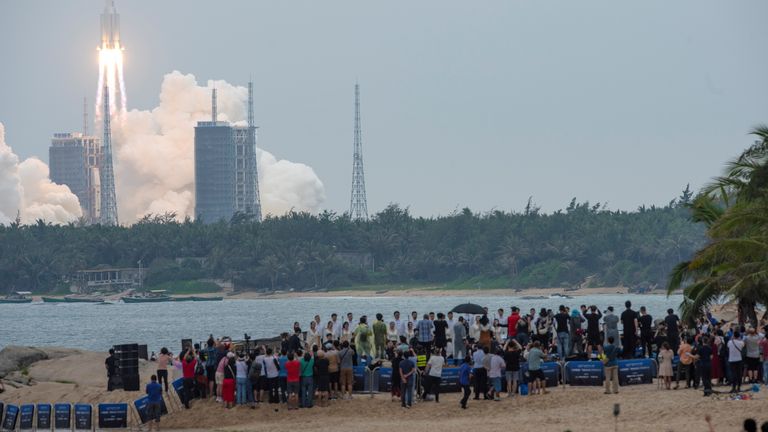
[[81, 378]]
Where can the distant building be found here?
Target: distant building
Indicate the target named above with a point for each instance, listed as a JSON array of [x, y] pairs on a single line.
[[106, 278], [74, 160], [226, 177]]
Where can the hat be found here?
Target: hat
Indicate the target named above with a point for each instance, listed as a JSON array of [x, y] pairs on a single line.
[[230, 355]]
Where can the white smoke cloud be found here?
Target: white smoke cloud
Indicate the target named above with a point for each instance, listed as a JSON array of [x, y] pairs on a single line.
[[154, 154], [26, 189]]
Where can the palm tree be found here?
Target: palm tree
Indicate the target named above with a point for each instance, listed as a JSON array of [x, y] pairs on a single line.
[[734, 265]]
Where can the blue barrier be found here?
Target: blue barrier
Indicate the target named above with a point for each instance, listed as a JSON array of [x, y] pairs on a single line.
[[62, 416], [551, 373], [584, 373], [141, 408], [44, 416], [113, 416], [83, 417], [11, 415], [638, 371], [178, 386], [27, 417]]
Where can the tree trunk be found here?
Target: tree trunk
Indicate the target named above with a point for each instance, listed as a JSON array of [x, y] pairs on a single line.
[[747, 314]]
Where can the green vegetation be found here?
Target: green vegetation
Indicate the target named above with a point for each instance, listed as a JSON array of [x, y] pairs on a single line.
[[187, 287], [581, 244], [734, 262]]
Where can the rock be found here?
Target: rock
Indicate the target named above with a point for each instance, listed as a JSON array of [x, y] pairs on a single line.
[[14, 358]]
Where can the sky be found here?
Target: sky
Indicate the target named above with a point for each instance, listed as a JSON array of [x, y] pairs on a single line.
[[464, 104]]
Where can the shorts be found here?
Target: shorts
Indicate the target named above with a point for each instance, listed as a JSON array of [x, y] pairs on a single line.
[[513, 375], [323, 383], [219, 376], [294, 387], [496, 383], [210, 372], [535, 375], [346, 378], [753, 363], [154, 411], [263, 383], [334, 377], [594, 340]]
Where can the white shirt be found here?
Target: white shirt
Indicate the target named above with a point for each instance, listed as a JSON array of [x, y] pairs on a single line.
[[336, 329], [401, 327], [269, 365], [735, 349], [436, 363], [497, 364]]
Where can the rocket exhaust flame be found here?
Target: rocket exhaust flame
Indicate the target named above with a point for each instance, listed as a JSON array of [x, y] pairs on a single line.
[[111, 63]]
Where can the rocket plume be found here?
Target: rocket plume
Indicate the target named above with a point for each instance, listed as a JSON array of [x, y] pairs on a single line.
[[111, 63]]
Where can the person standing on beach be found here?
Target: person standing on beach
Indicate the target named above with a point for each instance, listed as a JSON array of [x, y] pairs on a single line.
[[188, 363], [395, 380], [228, 385], [154, 393], [441, 332], [479, 372], [704, 364], [563, 335], [407, 369], [593, 329], [536, 375], [611, 326], [424, 333], [293, 377], [512, 353], [685, 353], [379, 337], [465, 377], [496, 367], [111, 364], [459, 339], [241, 380], [346, 356], [629, 326], [752, 354], [363, 339], [332, 355], [610, 355], [645, 321], [271, 368], [735, 361], [322, 378], [665, 364], [576, 332], [163, 360], [434, 373], [672, 323]]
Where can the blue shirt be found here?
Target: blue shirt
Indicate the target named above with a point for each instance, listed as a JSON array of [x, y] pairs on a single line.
[[155, 392], [464, 372], [406, 366], [282, 360], [424, 330], [611, 352]]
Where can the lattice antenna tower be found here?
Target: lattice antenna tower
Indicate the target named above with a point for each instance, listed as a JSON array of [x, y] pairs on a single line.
[[106, 172], [253, 168], [358, 208]]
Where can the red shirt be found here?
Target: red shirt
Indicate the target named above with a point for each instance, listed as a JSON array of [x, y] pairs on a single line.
[[188, 368], [512, 324], [292, 370]]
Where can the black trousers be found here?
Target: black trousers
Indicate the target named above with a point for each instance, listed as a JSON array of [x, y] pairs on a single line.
[[629, 345], [189, 387], [481, 383], [274, 390], [646, 342], [434, 386], [467, 392], [705, 373], [162, 377], [736, 376]]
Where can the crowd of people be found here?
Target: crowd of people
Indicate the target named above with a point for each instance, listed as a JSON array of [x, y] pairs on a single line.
[[313, 367]]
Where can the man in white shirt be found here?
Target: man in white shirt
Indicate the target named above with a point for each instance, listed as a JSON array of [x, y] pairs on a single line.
[[736, 360], [497, 366], [337, 325], [400, 325], [433, 374]]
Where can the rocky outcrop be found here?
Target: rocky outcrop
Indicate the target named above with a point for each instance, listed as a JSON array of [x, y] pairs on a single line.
[[16, 358]]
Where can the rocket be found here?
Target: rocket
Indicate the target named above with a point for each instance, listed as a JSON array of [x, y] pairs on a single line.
[[110, 26]]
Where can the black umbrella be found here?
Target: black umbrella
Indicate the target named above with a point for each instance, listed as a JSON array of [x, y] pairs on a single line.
[[469, 308]]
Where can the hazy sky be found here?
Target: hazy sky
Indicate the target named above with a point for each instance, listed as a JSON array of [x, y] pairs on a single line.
[[464, 103]]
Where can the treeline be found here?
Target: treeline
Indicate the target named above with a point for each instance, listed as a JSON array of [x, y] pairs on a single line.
[[580, 244]]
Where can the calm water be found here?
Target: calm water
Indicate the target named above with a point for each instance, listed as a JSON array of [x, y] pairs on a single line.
[[98, 327]]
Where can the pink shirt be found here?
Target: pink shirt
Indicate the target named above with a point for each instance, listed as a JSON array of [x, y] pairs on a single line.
[[162, 361], [222, 364]]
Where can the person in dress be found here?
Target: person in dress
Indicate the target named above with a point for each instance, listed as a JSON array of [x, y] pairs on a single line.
[[665, 364]]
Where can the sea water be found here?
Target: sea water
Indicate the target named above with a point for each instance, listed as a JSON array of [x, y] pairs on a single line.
[[99, 326]]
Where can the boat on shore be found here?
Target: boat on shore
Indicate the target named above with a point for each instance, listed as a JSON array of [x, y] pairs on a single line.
[[53, 299], [183, 299], [17, 297], [74, 299], [154, 296], [199, 299]]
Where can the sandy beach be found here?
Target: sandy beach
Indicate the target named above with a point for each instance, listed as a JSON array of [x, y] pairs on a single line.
[[79, 376], [438, 291]]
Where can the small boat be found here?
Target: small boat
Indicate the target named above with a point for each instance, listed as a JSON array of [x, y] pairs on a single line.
[[83, 299], [154, 296], [560, 296], [17, 297], [184, 299], [53, 300], [199, 299]]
